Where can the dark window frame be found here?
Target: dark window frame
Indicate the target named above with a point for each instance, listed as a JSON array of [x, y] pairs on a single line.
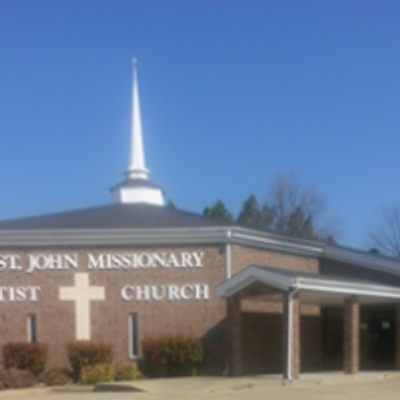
[[32, 328], [133, 336]]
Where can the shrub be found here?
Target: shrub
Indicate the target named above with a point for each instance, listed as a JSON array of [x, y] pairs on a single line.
[[96, 373], [25, 356], [55, 376], [173, 355], [3, 373], [127, 372], [17, 379], [88, 354]]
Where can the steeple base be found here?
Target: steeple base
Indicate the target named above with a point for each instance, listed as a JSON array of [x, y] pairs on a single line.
[[142, 173], [137, 191]]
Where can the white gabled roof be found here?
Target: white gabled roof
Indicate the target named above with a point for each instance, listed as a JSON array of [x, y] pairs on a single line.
[[318, 288]]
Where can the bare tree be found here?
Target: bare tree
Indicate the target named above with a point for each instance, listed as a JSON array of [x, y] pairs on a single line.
[[291, 208], [386, 236], [295, 208]]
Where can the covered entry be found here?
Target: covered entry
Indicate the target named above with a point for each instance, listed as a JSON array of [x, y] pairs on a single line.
[[292, 289]]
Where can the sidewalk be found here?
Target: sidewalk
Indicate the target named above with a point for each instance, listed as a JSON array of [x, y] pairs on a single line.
[[221, 384], [335, 385]]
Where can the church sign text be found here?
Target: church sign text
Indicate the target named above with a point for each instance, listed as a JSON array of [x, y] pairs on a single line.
[[36, 263], [102, 262]]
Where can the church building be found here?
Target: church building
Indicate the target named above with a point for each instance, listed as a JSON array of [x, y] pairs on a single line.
[[134, 268]]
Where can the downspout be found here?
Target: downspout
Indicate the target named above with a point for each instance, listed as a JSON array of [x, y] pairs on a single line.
[[228, 269], [292, 291], [228, 274]]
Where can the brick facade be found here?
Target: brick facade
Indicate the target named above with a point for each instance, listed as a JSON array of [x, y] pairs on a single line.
[[247, 335], [243, 256], [234, 335], [109, 318]]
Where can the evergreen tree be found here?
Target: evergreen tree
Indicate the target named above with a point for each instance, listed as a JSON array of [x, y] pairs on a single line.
[[269, 217], [300, 225], [218, 211], [292, 209], [251, 215]]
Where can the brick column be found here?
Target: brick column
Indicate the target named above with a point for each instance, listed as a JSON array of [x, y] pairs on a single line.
[[234, 335], [291, 318], [398, 336], [351, 337]]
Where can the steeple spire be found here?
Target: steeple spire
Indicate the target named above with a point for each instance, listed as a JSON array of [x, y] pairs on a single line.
[[136, 188], [137, 168]]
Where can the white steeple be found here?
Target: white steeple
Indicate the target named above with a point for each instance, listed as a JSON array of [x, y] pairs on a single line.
[[137, 168], [137, 188]]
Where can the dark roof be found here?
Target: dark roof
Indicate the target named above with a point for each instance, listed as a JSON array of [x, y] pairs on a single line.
[[113, 216], [309, 275]]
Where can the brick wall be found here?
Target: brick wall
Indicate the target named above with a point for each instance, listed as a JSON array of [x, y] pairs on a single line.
[[262, 321], [109, 318], [262, 343], [243, 256], [351, 336], [311, 343]]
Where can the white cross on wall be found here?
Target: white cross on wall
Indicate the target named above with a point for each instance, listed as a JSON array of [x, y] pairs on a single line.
[[82, 294]]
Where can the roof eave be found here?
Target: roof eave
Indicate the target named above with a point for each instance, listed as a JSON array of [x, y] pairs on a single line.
[[184, 235], [366, 260], [279, 281], [195, 235]]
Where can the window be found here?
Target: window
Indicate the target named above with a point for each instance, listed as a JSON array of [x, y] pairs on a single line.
[[133, 336], [32, 328]]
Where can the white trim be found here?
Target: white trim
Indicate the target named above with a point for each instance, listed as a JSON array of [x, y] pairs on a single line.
[[283, 282], [289, 333], [343, 287], [250, 275], [196, 235], [228, 256], [142, 195], [275, 242]]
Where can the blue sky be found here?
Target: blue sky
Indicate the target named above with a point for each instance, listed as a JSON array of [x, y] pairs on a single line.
[[231, 92]]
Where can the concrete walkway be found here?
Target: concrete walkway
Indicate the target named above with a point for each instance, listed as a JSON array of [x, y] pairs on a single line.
[[221, 384], [364, 386]]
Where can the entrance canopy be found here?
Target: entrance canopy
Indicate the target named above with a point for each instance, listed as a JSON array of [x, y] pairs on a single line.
[[269, 284]]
